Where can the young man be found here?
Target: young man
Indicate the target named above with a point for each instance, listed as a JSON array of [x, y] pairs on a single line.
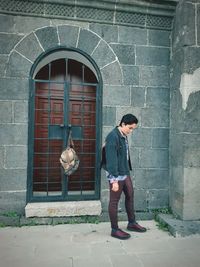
[[117, 164]]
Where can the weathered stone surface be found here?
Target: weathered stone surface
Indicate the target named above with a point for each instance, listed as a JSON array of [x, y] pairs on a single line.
[[154, 158], [3, 61], [159, 38], [158, 118], [109, 115], [152, 56], [88, 41], [129, 35], [116, 95], [142, 137], [13, 201], [140, 199], [130, 75], [13, 134], [60, 209], [184, 32], [29, 24], [158, 198], [151, 179], [157, 97], [8, 41], [7, 23], [68, 35], [15, 157], [124, 53], [48, 37], [154, 76], [138, 96], [18, 66], [20, 111], [103, 55], [1, 157], [13, 179], [160, 138], [112, 74], [14, 89], [107, 32], [5, 111], [24, 47]]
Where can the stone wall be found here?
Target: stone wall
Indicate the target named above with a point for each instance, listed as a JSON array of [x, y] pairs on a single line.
[[135, 75], [185, 112]]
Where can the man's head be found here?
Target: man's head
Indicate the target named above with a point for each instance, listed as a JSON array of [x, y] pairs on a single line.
[[128, 123]]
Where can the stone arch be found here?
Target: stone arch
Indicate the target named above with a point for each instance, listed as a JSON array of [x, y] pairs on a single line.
[[24, 54]]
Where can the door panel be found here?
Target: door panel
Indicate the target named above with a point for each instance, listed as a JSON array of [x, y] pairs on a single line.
[[59, 103]]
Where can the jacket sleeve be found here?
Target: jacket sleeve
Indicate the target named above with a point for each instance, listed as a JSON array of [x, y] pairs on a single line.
[[111, 149]]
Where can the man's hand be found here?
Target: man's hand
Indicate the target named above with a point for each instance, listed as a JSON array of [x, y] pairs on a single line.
[[115, 186]]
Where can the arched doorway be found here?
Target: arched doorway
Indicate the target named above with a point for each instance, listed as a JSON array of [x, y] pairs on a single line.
[[65, 93]]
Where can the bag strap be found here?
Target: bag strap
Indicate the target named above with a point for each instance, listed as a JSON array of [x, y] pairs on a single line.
[[70, 142]]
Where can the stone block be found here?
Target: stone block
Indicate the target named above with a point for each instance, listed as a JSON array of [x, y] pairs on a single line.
[[13, 134], [109, 115], [16, 157], [116, 95], [103, 55], [135, 157], [176, 150], [8, 41], [160, 138], [14, 89], [3, 61], [28, 24], [105, 199], [20, 111], [68, 35], [130, 35], [112, 74], [151, 179], [152, 56], [88, 41], [159, 38], [24, 47], [13, 201], [184, 29], [60, 209], [130, 75], [1, 158], [124, 53], [140, 199], [192, 157], [158, 199], [138, 96], [5, 111], [142, 137], [154, 158], [191, 194], [13, 179], [107, 32], [198, 23], [18, 66], [157, 97], [153, 76], [177, 179], [7, 23], [47, 37], [155, 117]]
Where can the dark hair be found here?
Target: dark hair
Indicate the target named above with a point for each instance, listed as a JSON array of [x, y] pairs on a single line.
[[128, 119]]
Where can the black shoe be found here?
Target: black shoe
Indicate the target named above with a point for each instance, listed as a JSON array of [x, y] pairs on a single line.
[[120, 234], [136, 227]]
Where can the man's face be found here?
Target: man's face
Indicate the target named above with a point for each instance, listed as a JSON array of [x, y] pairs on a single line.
[[128, 128]]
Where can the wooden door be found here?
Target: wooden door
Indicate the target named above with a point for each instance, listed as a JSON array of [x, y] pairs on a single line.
[[63, 99]]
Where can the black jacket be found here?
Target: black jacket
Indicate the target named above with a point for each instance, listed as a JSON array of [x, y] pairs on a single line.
[[115, 157]]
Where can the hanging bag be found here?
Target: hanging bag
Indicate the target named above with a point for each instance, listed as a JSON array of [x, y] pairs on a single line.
[[69, 159]]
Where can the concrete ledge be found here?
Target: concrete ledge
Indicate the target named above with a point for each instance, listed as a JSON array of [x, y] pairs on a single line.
[[178, 227], [63, 209]]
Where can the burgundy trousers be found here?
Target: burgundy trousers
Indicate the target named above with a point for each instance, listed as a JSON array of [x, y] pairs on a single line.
[[125, 186]]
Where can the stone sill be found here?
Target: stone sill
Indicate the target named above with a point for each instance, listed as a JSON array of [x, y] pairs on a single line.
[[63, 209]]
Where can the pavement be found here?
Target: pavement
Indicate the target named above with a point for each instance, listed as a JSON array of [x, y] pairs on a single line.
[[90, 245]]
